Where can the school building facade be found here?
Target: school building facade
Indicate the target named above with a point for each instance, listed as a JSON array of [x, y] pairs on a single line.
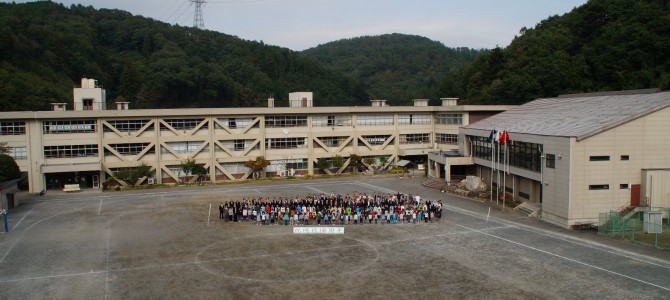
[[89, 144]]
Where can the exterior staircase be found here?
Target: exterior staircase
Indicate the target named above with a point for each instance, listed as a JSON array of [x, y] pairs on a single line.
[[531, 209], [435, 183]]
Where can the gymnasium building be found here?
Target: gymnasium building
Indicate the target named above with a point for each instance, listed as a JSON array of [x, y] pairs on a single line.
[[575, 155]]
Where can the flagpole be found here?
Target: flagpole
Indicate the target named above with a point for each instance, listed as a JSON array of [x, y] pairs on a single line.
[[492, 167], [498, 175]]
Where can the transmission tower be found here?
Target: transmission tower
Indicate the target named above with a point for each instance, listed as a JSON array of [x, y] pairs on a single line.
[[198, 20]]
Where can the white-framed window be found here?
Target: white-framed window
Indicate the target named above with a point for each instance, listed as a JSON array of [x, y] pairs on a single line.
[[182, 147], [446, 138], [18, 152], [236, 123], [183, 124], [414, 119], [127, 125], [331, 120], [285, 121], [375, 139], [129, 149], [237, 145], [69, 151], [12, 128], [285, 143], [333, 141], [415, 138], [449, 119], [374, 120]]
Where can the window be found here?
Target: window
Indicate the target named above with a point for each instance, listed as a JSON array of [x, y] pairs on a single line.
[[68, 126], [285, 143], [285, 121], [446, 138], [521, 155], [235, 123], [599, 158], [69, 151], [127, 125], [331, 120], [333, 141], [18, 152], [237, 145], [625, 157], [413, 119], [595, 187], [128, 149], [374, 120], [183, 124], [449, 119], [13, 128], [623, 186], [232, 168], [551, 161], [285, 164], [182, 147], [415, 138], [374, 139]]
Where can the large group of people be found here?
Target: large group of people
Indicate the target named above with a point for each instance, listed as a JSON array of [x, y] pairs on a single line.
[[333, 209]]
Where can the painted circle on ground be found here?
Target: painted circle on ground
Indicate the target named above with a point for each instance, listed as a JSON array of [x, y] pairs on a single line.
[[287, 257]]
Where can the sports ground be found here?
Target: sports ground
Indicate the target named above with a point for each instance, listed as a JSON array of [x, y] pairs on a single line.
[[164, 244]]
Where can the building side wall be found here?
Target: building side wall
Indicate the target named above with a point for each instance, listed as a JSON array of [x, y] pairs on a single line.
[[645, 141]]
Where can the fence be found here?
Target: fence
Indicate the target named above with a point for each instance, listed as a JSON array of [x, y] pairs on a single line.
[[637, 228]]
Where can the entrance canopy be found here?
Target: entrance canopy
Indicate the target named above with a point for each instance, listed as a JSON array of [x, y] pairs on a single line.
[[402, 163]]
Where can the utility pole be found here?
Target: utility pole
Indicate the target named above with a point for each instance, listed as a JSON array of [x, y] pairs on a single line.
[[198, 20]]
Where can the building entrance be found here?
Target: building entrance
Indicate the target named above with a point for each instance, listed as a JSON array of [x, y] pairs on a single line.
[[85, 179]]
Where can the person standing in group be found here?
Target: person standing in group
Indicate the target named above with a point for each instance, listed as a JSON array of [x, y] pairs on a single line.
[[221, 210]]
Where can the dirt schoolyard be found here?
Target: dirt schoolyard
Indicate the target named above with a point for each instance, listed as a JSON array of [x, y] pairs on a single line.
[[165, 244]]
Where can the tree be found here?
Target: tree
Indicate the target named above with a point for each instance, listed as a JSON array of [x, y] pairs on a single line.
[[8, 168], [133, 174], [4, 149], [338, 161], [257, 166], [190, 167], [356, 162], [322, 163]]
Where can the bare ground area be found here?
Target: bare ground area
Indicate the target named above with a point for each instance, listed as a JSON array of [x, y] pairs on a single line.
[[160, 244]]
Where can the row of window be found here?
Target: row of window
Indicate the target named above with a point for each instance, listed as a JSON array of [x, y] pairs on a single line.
[[519, 154], [595, 187], [89, 126]]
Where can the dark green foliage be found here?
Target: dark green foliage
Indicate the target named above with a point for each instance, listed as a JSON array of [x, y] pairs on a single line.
[[338, 161], [604, 45], [8, 168], [131, 175], [322, 163], [46, 48], [394, 67]]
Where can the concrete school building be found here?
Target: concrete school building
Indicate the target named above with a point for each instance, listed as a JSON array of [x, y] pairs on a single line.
[[578, 155], [87, 145]]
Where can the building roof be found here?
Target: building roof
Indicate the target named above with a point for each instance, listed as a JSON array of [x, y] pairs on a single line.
[[579, 116]]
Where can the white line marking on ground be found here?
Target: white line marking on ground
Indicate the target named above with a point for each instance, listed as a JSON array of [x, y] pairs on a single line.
[[315, 189], [24, 216], [107, 265], [39, 221], [560, 256], [100, 207], [53, 276], [598, 247]]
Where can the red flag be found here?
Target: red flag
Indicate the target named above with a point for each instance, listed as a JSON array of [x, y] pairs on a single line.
[[503, 136]]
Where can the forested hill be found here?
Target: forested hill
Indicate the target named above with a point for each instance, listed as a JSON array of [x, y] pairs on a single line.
[[45, 48], [395, 67], [603, 45]]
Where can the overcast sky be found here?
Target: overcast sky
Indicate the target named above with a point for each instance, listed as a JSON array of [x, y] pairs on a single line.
[[303, 24]]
